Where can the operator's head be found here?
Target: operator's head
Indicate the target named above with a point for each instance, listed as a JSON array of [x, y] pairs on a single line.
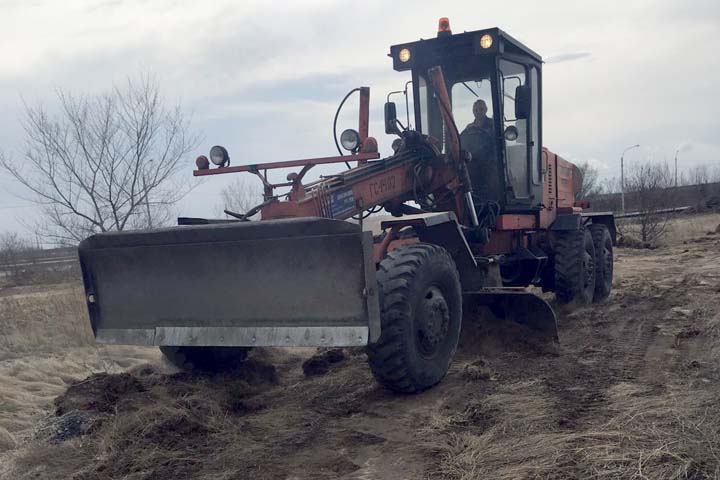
[[480, 109]]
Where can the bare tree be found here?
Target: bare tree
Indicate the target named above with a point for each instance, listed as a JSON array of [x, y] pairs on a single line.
[[610, 185], [699, 175], [240, 196], [590, 181], [647, 186], [13, 251], [104, 162]]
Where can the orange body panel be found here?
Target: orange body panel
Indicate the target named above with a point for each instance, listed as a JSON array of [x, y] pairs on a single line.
[[500, 242], [561, 180], [516, 222], [566, 183]]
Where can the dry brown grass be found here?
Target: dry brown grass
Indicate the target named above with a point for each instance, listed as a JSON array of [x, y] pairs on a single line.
[[686, 227], [666, 436], [47, 321]]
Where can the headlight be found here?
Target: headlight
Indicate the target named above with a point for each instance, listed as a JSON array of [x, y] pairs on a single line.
[[511, 133], [486, 41], [219, 156], [404, 55], [350, 140]]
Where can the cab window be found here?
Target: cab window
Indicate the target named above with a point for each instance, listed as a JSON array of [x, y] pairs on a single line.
[[465, 95]]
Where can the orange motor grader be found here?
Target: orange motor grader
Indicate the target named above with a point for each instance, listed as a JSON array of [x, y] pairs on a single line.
[[479, 211]]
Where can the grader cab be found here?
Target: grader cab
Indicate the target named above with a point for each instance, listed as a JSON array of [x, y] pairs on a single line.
[[479, 211]]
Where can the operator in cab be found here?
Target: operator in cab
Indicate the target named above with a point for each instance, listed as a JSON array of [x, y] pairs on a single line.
[[481, 122], [478, 138]]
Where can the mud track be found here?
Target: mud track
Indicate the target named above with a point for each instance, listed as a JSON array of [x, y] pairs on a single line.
[[631, 392]]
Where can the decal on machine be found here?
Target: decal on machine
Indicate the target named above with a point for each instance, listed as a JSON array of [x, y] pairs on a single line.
[[383, 186], [341, 202]]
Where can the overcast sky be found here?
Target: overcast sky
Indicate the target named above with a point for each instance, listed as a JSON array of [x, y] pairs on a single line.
[[264, 78]]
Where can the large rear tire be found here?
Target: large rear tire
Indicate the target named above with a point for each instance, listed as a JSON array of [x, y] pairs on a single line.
[[421, 314], [574, 262], [603, 261], [206, 359]]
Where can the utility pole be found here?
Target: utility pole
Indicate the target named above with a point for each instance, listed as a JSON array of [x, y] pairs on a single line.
[[622, 177], [676, 154]]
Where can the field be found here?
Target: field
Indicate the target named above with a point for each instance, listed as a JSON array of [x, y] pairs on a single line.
[[631, 392]]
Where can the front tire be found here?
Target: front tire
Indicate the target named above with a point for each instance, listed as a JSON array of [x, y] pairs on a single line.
[[207, 359], [574, 267], [421, 314]]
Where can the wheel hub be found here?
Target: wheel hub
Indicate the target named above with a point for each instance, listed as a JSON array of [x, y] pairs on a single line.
[[433, 319]]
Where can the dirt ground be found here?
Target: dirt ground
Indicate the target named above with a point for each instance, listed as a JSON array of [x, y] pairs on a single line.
[[631, 392]]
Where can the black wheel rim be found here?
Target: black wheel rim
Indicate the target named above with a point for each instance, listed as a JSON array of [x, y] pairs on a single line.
[[432, 322]]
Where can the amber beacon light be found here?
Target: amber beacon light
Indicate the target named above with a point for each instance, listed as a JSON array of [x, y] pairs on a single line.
[[444, 26]]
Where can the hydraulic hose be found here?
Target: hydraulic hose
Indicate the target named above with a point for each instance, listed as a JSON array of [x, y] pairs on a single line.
[[337, 113]]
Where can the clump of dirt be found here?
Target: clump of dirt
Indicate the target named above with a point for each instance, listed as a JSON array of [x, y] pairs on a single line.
[[689, 331], [478, 370], [165, 425], [320, 364], [628, 241], [255, 372], [74, 423], [100, 393]]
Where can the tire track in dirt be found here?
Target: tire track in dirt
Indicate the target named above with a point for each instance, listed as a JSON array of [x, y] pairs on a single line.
[[631, 347]]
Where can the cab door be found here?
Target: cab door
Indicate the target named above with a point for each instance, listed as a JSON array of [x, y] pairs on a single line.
[[520, 123]]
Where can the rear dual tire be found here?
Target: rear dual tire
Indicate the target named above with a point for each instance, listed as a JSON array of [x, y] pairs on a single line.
[[602, 241], [583, 265], [421, 315], [574, 264]]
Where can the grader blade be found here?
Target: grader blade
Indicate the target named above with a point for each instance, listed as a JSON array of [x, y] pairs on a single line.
[[522, 307], [291, 282]]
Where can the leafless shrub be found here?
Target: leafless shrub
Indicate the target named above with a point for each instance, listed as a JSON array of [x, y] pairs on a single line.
[[13, 256], [240, 196], [104, 162], [590, 181], [700, 175], [647, 183]]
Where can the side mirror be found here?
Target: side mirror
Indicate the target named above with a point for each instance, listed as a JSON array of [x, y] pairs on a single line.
[[522, 102], [391, 119]]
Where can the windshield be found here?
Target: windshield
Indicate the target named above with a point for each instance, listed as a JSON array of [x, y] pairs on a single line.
[[464, 97]]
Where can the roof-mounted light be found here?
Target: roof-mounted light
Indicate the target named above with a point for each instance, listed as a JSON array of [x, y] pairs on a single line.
[[404, 55], [219, 156], [350, 140], [444, 27], [486, 41]]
